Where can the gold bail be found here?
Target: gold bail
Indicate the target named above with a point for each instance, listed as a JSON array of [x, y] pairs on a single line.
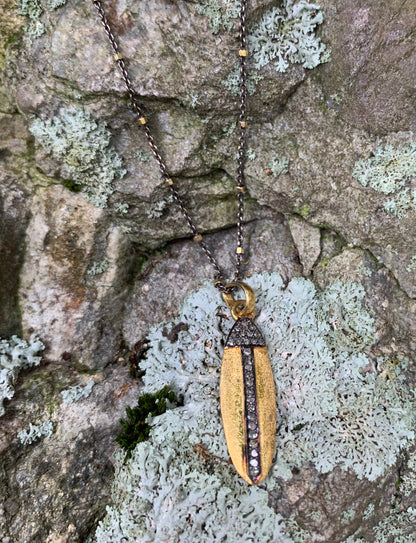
[[240, 308]]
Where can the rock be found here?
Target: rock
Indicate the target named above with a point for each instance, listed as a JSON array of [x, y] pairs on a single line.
[[307, 239], [91, 280]]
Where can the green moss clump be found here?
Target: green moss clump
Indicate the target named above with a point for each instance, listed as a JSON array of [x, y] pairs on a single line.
[[72, 185], [136, 427], [304, 210]]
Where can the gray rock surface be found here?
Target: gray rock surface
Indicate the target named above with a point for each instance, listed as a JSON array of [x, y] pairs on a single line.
[[91, 281]]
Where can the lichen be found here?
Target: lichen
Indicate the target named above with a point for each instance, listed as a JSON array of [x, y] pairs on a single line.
[[408, 480], [35, 432], [298, 534], [232, 81], [142, 155], [334, 409], [362, 270], [98, 267], [390, 171], [77, 392], [16, 354], [34, 9], [220, 13], [347, 516], [156, 210], [125, 228], [279, 166], [369, 511], [412, 264], [398, 527], [121, 208], [286, 34], [82, 146]]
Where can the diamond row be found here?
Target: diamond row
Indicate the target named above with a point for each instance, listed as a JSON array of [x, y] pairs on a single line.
[[253, 446]]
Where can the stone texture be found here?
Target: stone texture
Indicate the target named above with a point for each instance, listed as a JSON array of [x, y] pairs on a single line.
[[313, 218], [307, 239]]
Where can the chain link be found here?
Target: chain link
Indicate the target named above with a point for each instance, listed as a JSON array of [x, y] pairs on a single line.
[[241, 154]]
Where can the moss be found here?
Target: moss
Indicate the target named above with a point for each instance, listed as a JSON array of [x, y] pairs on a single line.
[[72, 185], [136, 427], [303, 211]]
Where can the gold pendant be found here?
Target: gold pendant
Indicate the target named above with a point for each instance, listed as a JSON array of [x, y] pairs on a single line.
[[247, 392]]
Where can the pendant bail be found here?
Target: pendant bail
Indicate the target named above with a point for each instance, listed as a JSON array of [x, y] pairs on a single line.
[[240, 308]]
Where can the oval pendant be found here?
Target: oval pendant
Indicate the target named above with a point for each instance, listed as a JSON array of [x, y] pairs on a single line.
[[248, 401]]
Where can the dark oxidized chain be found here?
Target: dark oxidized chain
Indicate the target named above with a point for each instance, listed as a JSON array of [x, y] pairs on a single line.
[[240, 185]]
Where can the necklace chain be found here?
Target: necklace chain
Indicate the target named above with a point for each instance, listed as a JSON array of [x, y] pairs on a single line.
[[240, 181]]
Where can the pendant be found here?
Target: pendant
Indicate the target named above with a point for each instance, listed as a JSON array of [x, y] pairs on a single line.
[[247, 392]]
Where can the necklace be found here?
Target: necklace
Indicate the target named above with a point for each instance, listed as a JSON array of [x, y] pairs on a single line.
[[247, 391]]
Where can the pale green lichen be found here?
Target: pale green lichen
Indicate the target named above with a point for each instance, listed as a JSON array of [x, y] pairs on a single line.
[[220, 13], [16, 354], [347, 516], [121, 208], [77, 392], [334, 411], [156, 210], [98, 267], [142, 155], [408, 479], [362, 270], [232, 81], [398, 527], [298, 534], [194, 99], [35, 432], [369, 511], [34, 9], [336, 98], [389, 171], [279, 166], [412, 264], [125, 228], [82, 146], [286, 34]]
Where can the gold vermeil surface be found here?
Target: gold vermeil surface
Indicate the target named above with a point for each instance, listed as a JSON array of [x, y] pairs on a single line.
[[233, 410], [266, 408]]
